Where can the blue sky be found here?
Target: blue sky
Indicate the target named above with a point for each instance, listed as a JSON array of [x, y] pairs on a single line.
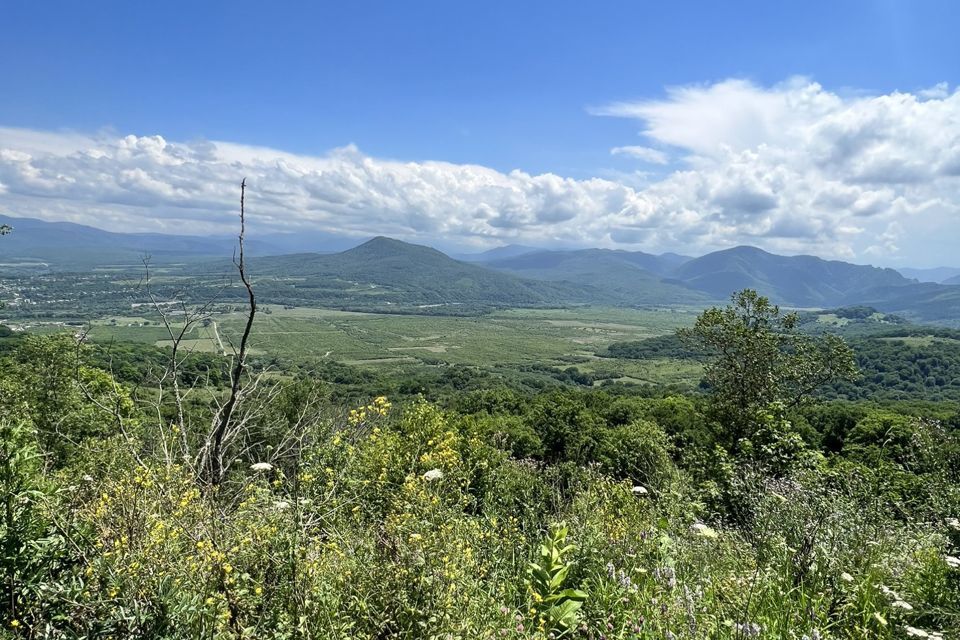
[[504, 84], [508, 86]]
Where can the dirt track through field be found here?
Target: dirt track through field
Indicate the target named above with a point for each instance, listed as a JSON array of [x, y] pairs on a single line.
[[216, 334]]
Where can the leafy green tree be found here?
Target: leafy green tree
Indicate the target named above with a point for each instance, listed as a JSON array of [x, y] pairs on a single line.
[[35, 558], [28, 549], [66, 401], [567, 428], [760, 361], [639, 451]]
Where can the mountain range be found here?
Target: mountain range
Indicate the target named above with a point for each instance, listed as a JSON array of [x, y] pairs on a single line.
[[625, 277], [937, 274], [67, 246], [384, 271], [804, 281], [392, 272]]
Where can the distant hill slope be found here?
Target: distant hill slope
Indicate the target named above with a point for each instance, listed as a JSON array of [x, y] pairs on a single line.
[[388, 271], [921, 302], [498, 253], [936, 274], [630, 277], [69, 245], [804, 281], [385, 273], [576, 259]]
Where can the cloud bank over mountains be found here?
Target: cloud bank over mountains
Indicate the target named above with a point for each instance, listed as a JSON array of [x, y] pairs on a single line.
[[791, 168]]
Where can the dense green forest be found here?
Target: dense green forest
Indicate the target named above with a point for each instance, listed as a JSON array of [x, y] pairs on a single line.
[[896, 360], [779, 499]]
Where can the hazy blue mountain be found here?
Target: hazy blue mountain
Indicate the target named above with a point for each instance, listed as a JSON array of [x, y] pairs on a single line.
[[630, 277], [562, 260], [671, 261], [300, 242], [497, 253], [69, 245], [952, 280], [937, 274], [65, 245], [804, 281]]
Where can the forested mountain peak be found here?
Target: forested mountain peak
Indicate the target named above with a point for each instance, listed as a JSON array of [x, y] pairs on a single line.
[[797, 280]]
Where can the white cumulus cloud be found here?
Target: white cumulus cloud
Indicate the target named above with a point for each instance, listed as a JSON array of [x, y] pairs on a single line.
[[798, 168], [641, 153], [791, 167]]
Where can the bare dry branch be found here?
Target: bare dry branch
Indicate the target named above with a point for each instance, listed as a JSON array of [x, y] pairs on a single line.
[[221, 432]]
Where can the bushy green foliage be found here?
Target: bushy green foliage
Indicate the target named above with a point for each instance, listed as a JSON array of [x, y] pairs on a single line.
[[759, 360], [897, 360], [668, 346], [557, 606], [638, 451], [408, 520], [50, 385], [900, 365], [41, 539]]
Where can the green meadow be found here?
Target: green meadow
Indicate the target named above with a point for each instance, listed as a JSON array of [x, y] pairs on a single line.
[[507, 338]]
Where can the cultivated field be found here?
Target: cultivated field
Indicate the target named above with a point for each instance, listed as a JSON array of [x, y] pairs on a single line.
[[506, 339]]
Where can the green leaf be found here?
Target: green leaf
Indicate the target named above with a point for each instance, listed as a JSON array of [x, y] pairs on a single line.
[[574, 594], [558, 578]]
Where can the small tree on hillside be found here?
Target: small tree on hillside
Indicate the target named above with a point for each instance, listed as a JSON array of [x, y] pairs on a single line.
[[760, 361]]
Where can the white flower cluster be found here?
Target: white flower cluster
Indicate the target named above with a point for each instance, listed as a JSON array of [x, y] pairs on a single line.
[[433, 474], [748, 629], [704, 531], [898, 602]]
